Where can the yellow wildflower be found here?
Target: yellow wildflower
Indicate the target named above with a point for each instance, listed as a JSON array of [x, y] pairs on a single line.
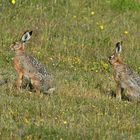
[[13, 1], [126, 32], [65, 122], [105, 65], [92, 13], [101, 27], [29, 137]]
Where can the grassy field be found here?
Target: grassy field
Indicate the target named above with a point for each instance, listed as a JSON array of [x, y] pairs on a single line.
[[73, 38]]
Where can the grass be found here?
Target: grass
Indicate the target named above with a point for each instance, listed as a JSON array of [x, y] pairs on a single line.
[[73, 39]]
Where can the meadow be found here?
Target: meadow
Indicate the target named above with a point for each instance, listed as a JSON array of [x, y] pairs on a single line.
[[73, 39]]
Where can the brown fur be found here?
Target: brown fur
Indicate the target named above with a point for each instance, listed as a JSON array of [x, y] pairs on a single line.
[[17, 64], [28, 66], [124, 77]]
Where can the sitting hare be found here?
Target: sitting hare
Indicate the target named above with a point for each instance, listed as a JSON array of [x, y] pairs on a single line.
[[125, 78], [29, 67]]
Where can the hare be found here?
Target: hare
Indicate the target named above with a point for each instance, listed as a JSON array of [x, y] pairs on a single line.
[[29, 67], [124, 77]]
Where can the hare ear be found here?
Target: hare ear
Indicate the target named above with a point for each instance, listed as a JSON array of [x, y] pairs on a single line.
[[26, 36], [118, 47]]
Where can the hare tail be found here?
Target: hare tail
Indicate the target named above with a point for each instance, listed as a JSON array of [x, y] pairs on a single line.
[[51, 90]]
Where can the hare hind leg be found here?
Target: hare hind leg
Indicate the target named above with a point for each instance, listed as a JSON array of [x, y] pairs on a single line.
[[36, 84]]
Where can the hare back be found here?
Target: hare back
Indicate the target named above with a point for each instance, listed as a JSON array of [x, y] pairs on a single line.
[[40, 68], [133, 83], [125, 73], [128, 79], [30, 64]]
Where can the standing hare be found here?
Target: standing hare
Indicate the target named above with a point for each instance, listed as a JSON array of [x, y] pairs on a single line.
[[124, 77], [29, 67]]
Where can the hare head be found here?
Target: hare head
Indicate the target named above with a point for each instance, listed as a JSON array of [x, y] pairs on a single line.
[[115, 58], [19, 46]]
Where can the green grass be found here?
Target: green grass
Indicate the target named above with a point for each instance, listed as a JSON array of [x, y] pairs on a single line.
[[68, 39], [125, 5]]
